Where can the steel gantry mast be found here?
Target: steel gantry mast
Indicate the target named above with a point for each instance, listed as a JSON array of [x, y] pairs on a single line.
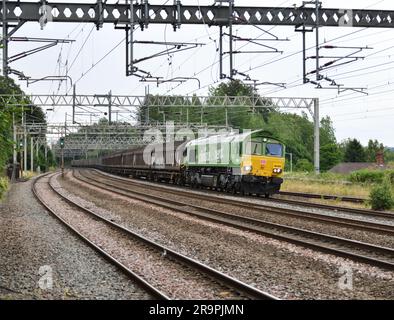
[[132, 13], [178, 14]]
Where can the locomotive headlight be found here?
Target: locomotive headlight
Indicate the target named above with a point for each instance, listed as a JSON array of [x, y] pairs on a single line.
[[277, 170], [248, 168]]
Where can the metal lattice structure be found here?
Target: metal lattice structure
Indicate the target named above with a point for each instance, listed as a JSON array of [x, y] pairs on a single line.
[[118, 137], [100, 13], [126, 101], [79, 140]]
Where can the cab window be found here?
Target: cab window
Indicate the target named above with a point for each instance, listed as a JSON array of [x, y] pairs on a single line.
[[254, 148], [274, 149], [192, 154]]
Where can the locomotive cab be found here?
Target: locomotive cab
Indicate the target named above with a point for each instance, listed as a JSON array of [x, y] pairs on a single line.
[[247, 163]]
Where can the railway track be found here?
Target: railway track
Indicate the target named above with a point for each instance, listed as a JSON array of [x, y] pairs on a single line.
[[355, 250], [366, 212], [355, 211], [322, 196], [175, 259], [341, 221]]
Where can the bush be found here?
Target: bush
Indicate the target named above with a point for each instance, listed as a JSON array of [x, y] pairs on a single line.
[[4, 184], [390, 175], [381, 196], [304, 165], [367, 176], [372, 176]]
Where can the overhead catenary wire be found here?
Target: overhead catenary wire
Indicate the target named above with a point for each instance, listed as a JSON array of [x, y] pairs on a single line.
[[110, 51], [211, 69], [224, 58]]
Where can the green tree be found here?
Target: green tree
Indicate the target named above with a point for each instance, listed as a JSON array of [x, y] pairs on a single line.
[[329, 156], [236, 88], [354, 151], [232, 88], [372, 149], [24, 107], [295, 131], [304, 165], [329, 152], [7, 112], [389, 155], [327, 132]]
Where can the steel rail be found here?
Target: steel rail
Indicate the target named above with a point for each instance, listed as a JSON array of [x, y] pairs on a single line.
[[341, 221], [322, 196], [293, 235], [131, 274], [216, 275], [372, 213]]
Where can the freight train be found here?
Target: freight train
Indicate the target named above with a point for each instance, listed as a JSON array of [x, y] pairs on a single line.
[[246, 163]]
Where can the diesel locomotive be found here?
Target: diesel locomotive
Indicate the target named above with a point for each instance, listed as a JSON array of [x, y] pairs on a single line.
[[246, 163]]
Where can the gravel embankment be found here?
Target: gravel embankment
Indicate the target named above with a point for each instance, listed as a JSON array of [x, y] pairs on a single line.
[[167, 275], [31, 238], [282, 269], [298, 222], [257, 200]]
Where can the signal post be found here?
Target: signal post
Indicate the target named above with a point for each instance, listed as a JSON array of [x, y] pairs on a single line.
[[62, 155]]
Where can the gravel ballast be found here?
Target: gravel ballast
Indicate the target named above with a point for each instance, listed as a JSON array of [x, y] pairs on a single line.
[[34, 244], [339, 212], [174, 279], [293, 221], [282, 269]]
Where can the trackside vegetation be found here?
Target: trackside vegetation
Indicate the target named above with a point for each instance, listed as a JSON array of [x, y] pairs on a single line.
[[15, 111], [381, 197], [4, 185]]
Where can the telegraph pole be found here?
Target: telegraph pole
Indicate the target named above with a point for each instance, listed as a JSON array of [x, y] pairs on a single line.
[[21, 152], [62, 155], [14, 156], [110, 107], [74, 102], [316, 120], [31, 154], [24, 140]]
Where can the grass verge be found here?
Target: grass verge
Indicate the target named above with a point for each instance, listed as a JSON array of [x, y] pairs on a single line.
[[4, 186], [325, 184]]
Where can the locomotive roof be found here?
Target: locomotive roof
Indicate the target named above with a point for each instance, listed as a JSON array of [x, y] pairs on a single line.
[[227, 138]]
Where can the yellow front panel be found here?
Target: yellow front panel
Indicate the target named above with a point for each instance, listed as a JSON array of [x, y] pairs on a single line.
[[263, 166]]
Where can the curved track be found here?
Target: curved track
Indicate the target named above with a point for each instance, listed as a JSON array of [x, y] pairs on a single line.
[[243, 289], [355, 250], [366, 212], [322, 196], [337, 220]]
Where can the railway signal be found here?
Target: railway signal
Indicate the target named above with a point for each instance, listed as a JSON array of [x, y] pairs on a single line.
[[22, 156], [61, 142]]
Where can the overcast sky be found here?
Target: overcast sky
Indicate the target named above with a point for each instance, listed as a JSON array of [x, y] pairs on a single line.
[[354, 114]]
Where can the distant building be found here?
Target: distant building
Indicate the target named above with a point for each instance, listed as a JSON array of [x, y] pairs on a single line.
[[349, 167]]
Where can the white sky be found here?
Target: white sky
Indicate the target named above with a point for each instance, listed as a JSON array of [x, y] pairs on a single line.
[[354, 114]]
